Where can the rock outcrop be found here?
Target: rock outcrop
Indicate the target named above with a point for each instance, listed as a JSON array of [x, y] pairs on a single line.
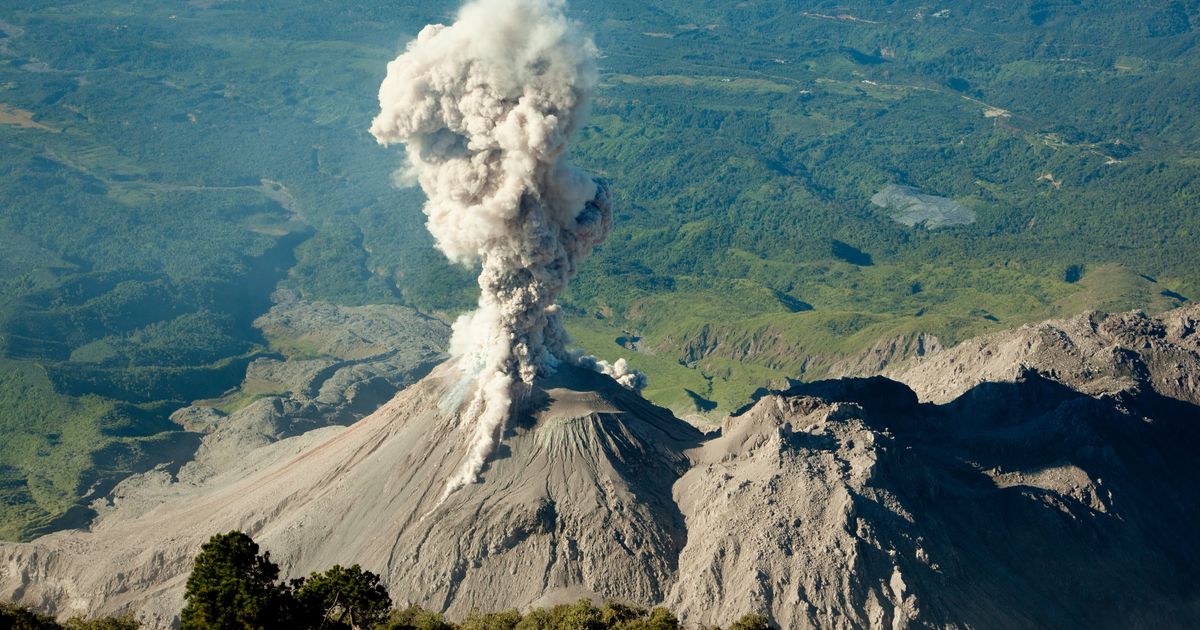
[[886, 353], [345, 363], [849, 504], [1095, 353]]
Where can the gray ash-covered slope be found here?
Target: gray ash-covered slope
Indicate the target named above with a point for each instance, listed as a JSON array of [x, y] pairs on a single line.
[[1063, 497], [1025, 504], [1061, 493], [1095, 353], [578, 501]]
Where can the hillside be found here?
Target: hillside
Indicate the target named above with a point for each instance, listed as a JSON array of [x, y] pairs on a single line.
[[839, 503]]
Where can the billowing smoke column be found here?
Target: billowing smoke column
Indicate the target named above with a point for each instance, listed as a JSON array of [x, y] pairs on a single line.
[[485, 108]]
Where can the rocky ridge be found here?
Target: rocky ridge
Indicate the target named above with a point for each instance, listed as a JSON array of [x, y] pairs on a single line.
[[1094, 353]]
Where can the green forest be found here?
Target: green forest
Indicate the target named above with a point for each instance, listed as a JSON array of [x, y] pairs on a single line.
[[166, 165]]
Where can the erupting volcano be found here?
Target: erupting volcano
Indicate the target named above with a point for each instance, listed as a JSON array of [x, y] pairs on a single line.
[[1043, 478], [485, 108]]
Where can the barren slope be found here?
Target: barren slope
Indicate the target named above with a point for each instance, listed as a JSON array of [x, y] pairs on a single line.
[[1053, 485], [1094, 353], [578, 500], [847, 504]]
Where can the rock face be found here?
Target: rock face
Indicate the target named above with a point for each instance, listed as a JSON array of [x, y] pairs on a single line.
[[1051, 483], [885, 353], [1047, 480], [1094, 353]]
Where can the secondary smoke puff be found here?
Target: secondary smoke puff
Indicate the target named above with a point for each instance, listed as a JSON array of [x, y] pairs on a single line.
[[485, 108]]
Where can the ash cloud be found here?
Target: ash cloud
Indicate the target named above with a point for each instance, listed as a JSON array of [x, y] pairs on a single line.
[[485, 108]]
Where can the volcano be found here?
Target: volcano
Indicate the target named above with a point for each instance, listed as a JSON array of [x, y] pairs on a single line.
[[1059, 493], [577, 502]]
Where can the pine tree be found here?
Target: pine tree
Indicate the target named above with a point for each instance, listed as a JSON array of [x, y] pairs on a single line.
[[232, 587], [343, 598]]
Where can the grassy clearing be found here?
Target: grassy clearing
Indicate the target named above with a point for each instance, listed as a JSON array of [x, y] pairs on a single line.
[[21, 119], [716, 385]]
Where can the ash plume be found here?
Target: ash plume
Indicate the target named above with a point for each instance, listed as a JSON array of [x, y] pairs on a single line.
[[485, 109]]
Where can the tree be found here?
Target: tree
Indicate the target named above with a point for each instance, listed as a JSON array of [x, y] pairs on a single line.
[[232, 587], [536, 619], [581, 615], [615, 613], [342, 598], [14, 617], [19, 618], [659, 619], [505, 620], [124, 622]]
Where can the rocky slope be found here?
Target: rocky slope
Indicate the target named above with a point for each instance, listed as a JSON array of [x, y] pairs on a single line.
[[1049, 483], [344, 363], [1023, 504], [577, 501], [885, 353], [1095, 353]]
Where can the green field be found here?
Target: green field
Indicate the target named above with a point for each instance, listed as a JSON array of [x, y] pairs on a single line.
[[165, 165]]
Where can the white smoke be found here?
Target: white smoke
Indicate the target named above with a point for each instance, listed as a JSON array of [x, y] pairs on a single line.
[[618, 370], [485, 108]]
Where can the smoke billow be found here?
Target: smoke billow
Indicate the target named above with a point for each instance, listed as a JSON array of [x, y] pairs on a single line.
[[485, 108]]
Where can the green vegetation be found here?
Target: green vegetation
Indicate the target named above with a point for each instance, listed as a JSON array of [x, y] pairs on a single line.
[[146, 227], [20, 618], [739, 201], [56, 445], [343, 598], [167, 164], [232, 586], [582, 615]]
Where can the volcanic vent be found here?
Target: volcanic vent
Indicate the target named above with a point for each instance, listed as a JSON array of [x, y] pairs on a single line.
[[577, 500]]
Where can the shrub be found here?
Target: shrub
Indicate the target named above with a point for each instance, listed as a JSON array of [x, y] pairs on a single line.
[[751, 622]]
